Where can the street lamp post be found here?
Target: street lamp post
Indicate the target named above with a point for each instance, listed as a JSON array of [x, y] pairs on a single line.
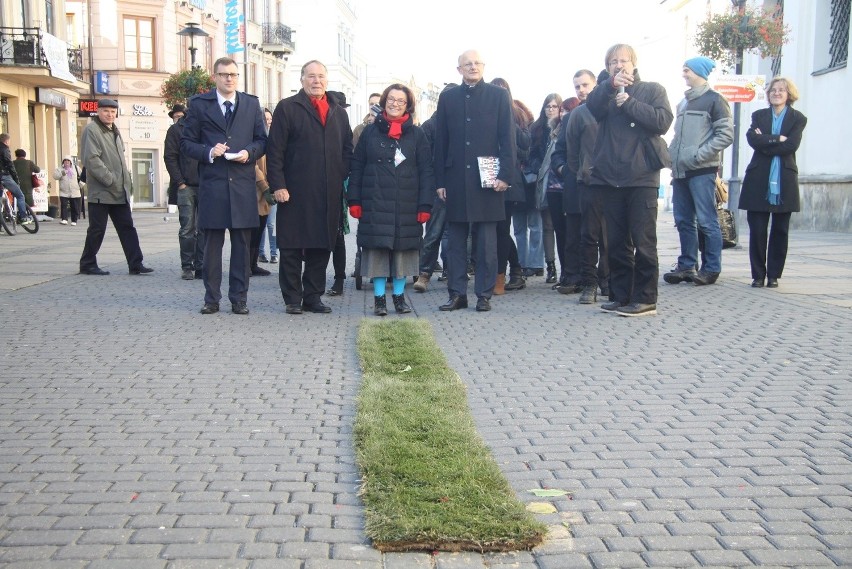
[[192, 30]]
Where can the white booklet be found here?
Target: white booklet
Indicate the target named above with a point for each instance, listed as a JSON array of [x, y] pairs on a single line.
[[489, 166]]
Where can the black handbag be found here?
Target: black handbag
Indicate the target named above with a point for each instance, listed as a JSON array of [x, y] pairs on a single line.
[[729, 228]]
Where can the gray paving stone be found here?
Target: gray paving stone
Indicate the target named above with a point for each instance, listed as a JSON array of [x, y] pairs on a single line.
[[666, 435]]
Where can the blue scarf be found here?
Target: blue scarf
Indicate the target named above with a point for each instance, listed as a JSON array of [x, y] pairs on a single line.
[[774, 195]]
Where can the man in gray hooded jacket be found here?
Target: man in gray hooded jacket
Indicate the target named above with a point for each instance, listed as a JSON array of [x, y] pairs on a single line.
[[703, 129]]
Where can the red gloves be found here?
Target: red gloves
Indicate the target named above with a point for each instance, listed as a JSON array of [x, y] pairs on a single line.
[[423, 216], [355, 211]]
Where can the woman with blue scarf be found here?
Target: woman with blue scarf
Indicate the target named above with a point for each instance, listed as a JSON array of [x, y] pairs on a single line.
[[771, 183]]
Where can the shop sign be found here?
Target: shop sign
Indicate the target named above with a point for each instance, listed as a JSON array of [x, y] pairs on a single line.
[[741, 88], [87, 108], [50, 97]]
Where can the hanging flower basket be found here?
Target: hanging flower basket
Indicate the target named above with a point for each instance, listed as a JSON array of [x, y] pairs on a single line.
[[722, 36], [180, 86]]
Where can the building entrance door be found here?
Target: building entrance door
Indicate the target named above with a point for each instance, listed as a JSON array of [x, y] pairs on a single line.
[[142, 171]]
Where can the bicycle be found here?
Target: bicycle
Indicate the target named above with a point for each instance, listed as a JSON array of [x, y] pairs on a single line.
[[9, 214]]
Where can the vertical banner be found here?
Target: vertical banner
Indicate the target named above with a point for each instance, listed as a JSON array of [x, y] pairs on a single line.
[[235, 25]]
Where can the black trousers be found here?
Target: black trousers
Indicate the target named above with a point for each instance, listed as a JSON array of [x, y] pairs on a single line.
[[254, 245], [72, 204], [238, 275], [767, 248], [338, 255], [122, 221], [594, 265], [302, 287], [507, 250], [484, 256], [558, 221], [631, 228]]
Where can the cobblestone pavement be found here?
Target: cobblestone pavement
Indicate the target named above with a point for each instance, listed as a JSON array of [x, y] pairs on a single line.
[[137, 433]]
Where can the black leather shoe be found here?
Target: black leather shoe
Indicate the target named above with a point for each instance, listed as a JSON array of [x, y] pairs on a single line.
[[612, 306], [317, 308], [399, 304], [259, 272], [293, 309], [186, 274], [771, 283], [380, 306], [141, 270], [569, 289], [95, 271], [702, 278], [239, 308], [455, 303], [337, 288], [483, 304], [757, 283], [210, 308], [679, 275]]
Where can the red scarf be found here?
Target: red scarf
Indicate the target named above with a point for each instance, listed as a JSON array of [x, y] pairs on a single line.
[[395, 125], [321, 105]]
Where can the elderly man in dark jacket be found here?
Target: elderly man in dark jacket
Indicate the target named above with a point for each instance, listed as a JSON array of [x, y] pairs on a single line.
[[629, 153], [474, 121], [224, 130], [310, 149], [110, 187], [183, 183]]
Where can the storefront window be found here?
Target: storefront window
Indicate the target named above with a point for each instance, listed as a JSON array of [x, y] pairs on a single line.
[[142, 171]]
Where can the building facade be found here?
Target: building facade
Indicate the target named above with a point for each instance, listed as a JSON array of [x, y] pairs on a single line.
[[132, 46], [816, 59], [41, 80]]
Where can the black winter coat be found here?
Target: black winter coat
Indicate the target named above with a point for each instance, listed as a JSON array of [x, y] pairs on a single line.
[[182, 169], [391, 196], [619, 159], [766, 146], [311, 161], [227, 198], [472, 122]]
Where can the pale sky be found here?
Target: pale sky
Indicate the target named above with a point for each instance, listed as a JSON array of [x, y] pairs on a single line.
[[536, 45]]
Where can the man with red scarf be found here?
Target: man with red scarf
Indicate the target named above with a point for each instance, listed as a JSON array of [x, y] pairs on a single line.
[[308, 155]]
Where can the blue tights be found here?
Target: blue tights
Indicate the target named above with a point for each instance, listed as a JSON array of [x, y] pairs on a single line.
[[380, 282]]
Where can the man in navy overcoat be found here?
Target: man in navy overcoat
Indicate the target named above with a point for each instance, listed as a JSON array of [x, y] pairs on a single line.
[[225, 131]]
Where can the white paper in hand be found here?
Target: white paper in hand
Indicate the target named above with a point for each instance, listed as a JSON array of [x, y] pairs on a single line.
[[231, 155]]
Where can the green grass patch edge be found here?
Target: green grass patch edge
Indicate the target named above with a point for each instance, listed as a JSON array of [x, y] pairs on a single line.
[[429, 482]]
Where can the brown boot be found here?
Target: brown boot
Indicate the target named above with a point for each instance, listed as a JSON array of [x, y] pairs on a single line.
[[499, 286]]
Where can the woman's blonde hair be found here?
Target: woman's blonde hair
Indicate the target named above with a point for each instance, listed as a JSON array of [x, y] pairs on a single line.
[[792, 90]]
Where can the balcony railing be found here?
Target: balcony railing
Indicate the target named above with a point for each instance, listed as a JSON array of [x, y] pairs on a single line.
[[23, 47], [278, 38]]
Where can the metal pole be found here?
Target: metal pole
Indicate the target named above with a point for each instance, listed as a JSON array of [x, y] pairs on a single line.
[[734, 181]]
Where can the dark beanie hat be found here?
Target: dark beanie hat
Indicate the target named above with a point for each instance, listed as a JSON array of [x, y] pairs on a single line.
[[701, 66]]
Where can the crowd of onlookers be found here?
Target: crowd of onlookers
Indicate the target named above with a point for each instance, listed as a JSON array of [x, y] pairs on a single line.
[[504, 195]]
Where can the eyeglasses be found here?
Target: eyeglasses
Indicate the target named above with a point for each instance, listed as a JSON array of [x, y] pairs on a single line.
[[228, 75], [392, 101], [551, 107], [472, 64]]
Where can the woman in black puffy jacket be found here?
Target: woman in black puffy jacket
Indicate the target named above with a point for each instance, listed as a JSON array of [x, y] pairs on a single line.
[[391, 190]]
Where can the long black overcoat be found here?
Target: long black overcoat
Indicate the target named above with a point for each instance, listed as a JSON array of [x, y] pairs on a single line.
[[391, 195], [310, 161], [471, 122], [766, 146], [227, 198]]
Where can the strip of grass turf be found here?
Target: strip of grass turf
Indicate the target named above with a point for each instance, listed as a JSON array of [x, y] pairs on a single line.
[[429, 481]]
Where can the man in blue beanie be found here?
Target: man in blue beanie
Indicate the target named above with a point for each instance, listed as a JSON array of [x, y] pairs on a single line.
[[703, 129]]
